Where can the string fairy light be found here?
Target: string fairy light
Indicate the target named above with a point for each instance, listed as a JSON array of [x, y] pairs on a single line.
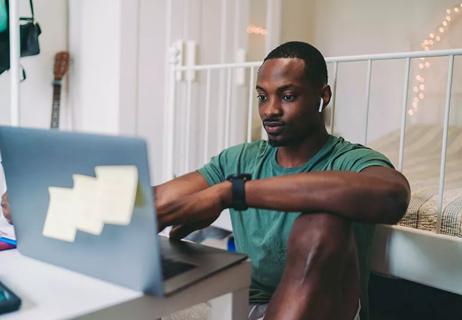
[[427, 44], [253, 29]]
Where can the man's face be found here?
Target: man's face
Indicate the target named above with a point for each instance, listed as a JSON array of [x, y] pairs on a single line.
[[287, 103]]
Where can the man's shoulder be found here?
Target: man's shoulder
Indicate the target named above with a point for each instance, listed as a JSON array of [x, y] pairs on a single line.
[[348, 148], [353, 156]]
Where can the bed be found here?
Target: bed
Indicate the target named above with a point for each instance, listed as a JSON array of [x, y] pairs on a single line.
[[211, 107], [422, 170], [426, 245]]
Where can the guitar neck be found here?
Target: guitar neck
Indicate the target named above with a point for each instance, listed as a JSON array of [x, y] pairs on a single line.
[[55, 106]]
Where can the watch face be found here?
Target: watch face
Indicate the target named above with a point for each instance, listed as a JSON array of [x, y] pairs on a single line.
[[246, 176]]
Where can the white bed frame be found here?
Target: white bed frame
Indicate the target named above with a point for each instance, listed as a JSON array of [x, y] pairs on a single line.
[[420, 256]]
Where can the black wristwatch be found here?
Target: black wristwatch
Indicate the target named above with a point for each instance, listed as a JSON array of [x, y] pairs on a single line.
[[238, 191]]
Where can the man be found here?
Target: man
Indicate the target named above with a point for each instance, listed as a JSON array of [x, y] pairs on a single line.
[[312, 198]]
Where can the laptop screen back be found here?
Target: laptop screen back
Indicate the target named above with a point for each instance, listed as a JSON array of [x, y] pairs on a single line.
[[35, 159]]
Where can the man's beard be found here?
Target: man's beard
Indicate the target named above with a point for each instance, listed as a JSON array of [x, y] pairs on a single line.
[[275, 143], [278, 143]]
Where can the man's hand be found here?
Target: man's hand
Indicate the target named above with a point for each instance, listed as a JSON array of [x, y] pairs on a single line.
[[6, 208], [194, 211]]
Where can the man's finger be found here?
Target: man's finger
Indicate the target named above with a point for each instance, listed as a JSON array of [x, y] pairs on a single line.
[[180, 231], [163, 222], [160, 226]]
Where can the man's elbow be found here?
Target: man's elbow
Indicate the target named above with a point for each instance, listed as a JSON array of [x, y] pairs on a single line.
[[398, 197]]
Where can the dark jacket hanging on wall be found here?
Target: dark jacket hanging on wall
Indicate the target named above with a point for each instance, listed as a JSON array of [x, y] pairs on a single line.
[[29, 32]]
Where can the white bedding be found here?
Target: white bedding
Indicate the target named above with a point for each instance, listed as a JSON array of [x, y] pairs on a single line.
[[422, 168]]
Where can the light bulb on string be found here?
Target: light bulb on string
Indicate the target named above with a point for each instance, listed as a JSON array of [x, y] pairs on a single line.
[[427, 44]]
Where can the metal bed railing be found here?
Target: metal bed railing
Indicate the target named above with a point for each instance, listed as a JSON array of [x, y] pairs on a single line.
[[175, 68]]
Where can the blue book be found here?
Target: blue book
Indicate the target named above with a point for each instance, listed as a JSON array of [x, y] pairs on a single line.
[[7, 240]]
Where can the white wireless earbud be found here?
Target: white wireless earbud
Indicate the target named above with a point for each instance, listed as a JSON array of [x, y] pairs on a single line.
[[321, 104]]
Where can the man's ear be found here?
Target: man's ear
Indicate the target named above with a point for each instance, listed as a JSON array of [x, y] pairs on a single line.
[[326, 94]]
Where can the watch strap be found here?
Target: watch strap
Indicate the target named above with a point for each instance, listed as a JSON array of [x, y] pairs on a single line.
[[238, 201]]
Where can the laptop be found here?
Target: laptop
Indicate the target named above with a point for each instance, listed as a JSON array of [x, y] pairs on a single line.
[[131, 255]]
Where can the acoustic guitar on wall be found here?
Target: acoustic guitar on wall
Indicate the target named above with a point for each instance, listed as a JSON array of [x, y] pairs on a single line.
[[59, 70]]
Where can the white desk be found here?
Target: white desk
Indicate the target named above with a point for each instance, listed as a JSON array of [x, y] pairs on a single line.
[[51, 292]]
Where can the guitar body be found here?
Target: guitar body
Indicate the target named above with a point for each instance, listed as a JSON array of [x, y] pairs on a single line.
[[60, 68]]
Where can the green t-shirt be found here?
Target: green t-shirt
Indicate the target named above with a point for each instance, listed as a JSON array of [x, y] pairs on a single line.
[[263, 234]]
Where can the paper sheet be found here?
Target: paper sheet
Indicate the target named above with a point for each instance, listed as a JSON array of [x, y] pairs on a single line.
[[60, 222], [117, 192], [92, 202], [85, 204]]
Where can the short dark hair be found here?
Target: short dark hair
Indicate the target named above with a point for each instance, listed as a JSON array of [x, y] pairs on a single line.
[[315, 65]]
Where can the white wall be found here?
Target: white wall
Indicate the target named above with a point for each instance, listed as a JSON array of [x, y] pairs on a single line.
[[152, 64], [218, 27], [36, 91], [363, 27], [298, 20], [103, 96]]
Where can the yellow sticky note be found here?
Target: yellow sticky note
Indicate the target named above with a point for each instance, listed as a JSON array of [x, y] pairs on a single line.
[[116, 193], [85, 204], [60, 219]]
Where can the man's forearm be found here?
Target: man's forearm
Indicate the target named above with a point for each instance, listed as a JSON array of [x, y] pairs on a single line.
[[171, 191], [357, 196]]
